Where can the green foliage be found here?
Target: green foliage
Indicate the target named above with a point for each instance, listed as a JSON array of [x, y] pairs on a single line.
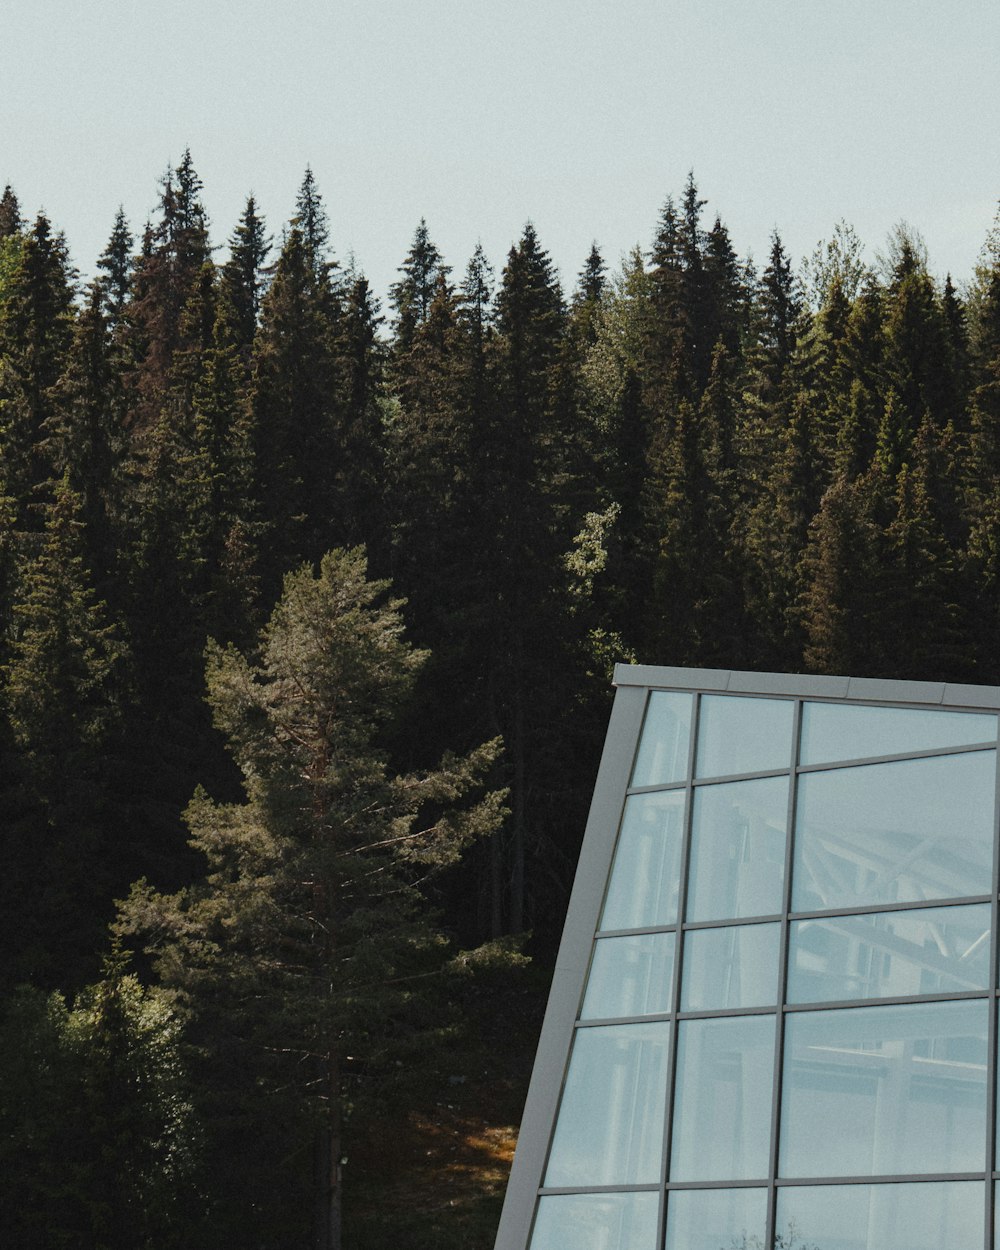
[[690, 462], [98, 1147], [304, 943]]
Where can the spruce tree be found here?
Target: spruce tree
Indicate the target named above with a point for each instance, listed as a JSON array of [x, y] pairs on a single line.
[[116, 261], [64, 686], [242, 280], [11, 221], [36, 323], [313, 224], [296, 417], [413, 294]]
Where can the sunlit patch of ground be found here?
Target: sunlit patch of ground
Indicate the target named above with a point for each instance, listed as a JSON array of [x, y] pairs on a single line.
[[434, 1178]]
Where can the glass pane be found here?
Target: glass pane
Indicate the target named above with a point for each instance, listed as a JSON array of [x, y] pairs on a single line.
[[609, 1130], [896, 1090], [894, 953], [645, 876], [921, 1216], [836, 731], [716, 1219], [596, 1222], [738, 850], [722, 1104], [739, 735], [630, 976], [732, 967], [895, 833], [666, 738]]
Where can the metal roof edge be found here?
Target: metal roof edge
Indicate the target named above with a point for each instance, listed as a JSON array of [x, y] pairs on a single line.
[[809, 685]]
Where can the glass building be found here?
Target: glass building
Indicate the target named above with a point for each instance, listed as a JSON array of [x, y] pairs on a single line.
[[773, 1021]]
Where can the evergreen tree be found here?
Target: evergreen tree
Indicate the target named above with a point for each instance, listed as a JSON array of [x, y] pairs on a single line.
[[296, 418], [36, 320], [116, 262], [62, 699], [525, 523], [413, 294], [295, 953], [313, 224], [361, 472], [169, 267], [84, 434], [242, 274], [97, 1144], [11, 221], [587, 298], [842, 569]]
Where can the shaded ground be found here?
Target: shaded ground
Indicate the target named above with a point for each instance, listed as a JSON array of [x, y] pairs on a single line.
[[434, 1178]]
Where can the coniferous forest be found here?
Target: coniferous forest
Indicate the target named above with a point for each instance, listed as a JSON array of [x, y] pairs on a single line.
[[308, 611]]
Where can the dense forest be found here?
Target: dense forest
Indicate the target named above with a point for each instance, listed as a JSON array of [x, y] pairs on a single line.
[[307, 618]]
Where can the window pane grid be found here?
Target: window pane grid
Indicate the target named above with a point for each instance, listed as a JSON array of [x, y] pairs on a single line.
[[779, 1044], [678, 969], [781, 1010]]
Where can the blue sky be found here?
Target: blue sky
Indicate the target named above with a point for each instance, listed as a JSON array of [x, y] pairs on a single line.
[[581, 115]]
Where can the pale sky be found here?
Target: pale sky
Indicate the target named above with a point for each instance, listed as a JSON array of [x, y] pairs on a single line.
[[580, 115]]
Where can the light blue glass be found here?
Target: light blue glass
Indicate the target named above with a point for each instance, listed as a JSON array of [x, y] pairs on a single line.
[[609, 1130], [596, 1222], [722, 1099], [741, 735], [883, 1091], [838, 731], [895, 833], [738, 849], [630, 976], [922, 1215], [716, 1219], [996, 1214], [732, 967], [646, 872], [666, 740], [890, 954]]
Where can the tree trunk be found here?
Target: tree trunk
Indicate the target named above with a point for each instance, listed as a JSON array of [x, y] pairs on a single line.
[[327, 1176]]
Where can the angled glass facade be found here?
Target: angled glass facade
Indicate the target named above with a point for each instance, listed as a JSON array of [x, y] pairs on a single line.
[[773, 1022]]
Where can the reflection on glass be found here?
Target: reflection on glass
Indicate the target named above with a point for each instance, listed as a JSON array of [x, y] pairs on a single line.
[[665, 741], [894, 833], [715, 1219], [609, 1130], [738, 849], [722, 1099], [837, 731], [630, 976], [644, 880], [910, 1216], [897, 1090], [732, 967], [740, 735], [890, 954], [596, 1222]]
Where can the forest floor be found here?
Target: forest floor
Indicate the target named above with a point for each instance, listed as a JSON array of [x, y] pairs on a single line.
[[434, 1177]]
